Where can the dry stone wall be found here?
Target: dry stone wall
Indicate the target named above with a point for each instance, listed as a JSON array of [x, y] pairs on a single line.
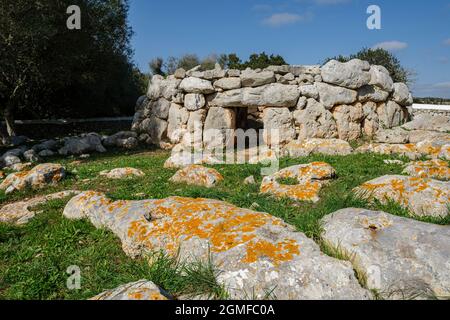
[[337, 100]]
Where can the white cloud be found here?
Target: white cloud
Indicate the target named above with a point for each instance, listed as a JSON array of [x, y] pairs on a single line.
[[281, 19], [447, 42], [391, 45]]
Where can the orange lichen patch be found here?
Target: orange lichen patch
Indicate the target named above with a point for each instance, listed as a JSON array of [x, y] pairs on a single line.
[[279, 252], [197, 175], [437, 169], [224, 226], [306, 191]]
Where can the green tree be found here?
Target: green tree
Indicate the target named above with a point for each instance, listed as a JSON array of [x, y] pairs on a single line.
[[384, 58], [48, 70]]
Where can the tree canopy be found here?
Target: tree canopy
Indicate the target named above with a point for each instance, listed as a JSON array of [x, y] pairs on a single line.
[[49, 71]]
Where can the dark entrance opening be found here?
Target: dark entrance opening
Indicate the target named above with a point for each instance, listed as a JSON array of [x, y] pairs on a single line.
[[246, 119]]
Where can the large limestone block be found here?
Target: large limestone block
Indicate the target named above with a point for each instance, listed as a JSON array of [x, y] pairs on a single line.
[[315, 122], [352, 74], [219, 127], [252, 78], [381, 78], [196, 85], [228, 83], [423, 197], [311, 178], [391, 114], [254, 252], [278, 126], [401, 258], [333, 95], [91, 142], [426, 121], [304, 148], [402, 95], [407, 150], [160, 108], [178, 118], [37, 178], [272, 95], [141, 290], [194, 101], [163, 88], [372, 93], [349, 121], [155, 128]]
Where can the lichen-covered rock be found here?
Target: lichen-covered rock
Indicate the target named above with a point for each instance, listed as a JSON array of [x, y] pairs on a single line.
[[311, 178], [396, 135], [121, 173], [21, 212], [264, 155], [183, 159], [400, 257], [436, 147], [141, 290], [435, 169], [38, 177], [423, 197], [254, 252], [197, 175], [407, 150], [304, 148]]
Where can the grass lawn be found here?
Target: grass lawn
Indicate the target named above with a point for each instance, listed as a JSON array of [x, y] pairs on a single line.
[[35, 257]]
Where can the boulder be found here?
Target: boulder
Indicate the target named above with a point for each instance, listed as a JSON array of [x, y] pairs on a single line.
[[163, 88], [435, 169], [395, 135], [333, 95], [401, 95], [407, 150], [194, 101], [349, 121], [197, 175], [91, 142], [122, 173], [315, 122], [298, 70], [155, 128], [381, 78], [311, 178], [196, 85], [278, 126], [141, 290], [426, 121], [228, 83], [31, 156], [160, 108], [304, 148], [219, 127], [352, 74], [423, 197], [252, 78], [21, 212], [119, 139], [401, 258], [180, 73], [372, 93], [183, 159], [253, 252], [46, 153], [37, 178], [309, 91], [391, 114]]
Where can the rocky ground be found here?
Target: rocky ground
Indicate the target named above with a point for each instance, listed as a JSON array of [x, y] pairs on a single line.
[[366, 220]]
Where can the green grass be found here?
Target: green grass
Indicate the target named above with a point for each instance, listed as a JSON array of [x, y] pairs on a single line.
[[34, 257]]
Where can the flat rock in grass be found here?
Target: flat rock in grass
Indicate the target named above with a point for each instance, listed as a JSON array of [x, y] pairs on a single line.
[[304, 148], [402, 258], [197, 175], [183, 159], [21, 212], [141, 290], [438, 147], [21, 166], [122, 173], [423, 197], [435, 169], [264, 156], [408, 150], [39, 177], [311, 178], [254, 253]]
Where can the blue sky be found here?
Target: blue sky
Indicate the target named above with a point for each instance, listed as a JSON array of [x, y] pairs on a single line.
[[302, 31]]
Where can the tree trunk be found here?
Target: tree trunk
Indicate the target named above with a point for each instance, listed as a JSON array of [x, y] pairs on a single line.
[[9, 121]]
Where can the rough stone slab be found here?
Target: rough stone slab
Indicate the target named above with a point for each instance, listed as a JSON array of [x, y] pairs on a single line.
[[254, 252], [141, 290], [423, 197], [407, 150], [311, 178], [352, 74], [331, 96], [183, 159], [37, 178], [435, 169], [197, 175], [401, 258], [196, 85], [304, 148], [122, 173], [430, 122], [21, 212]]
